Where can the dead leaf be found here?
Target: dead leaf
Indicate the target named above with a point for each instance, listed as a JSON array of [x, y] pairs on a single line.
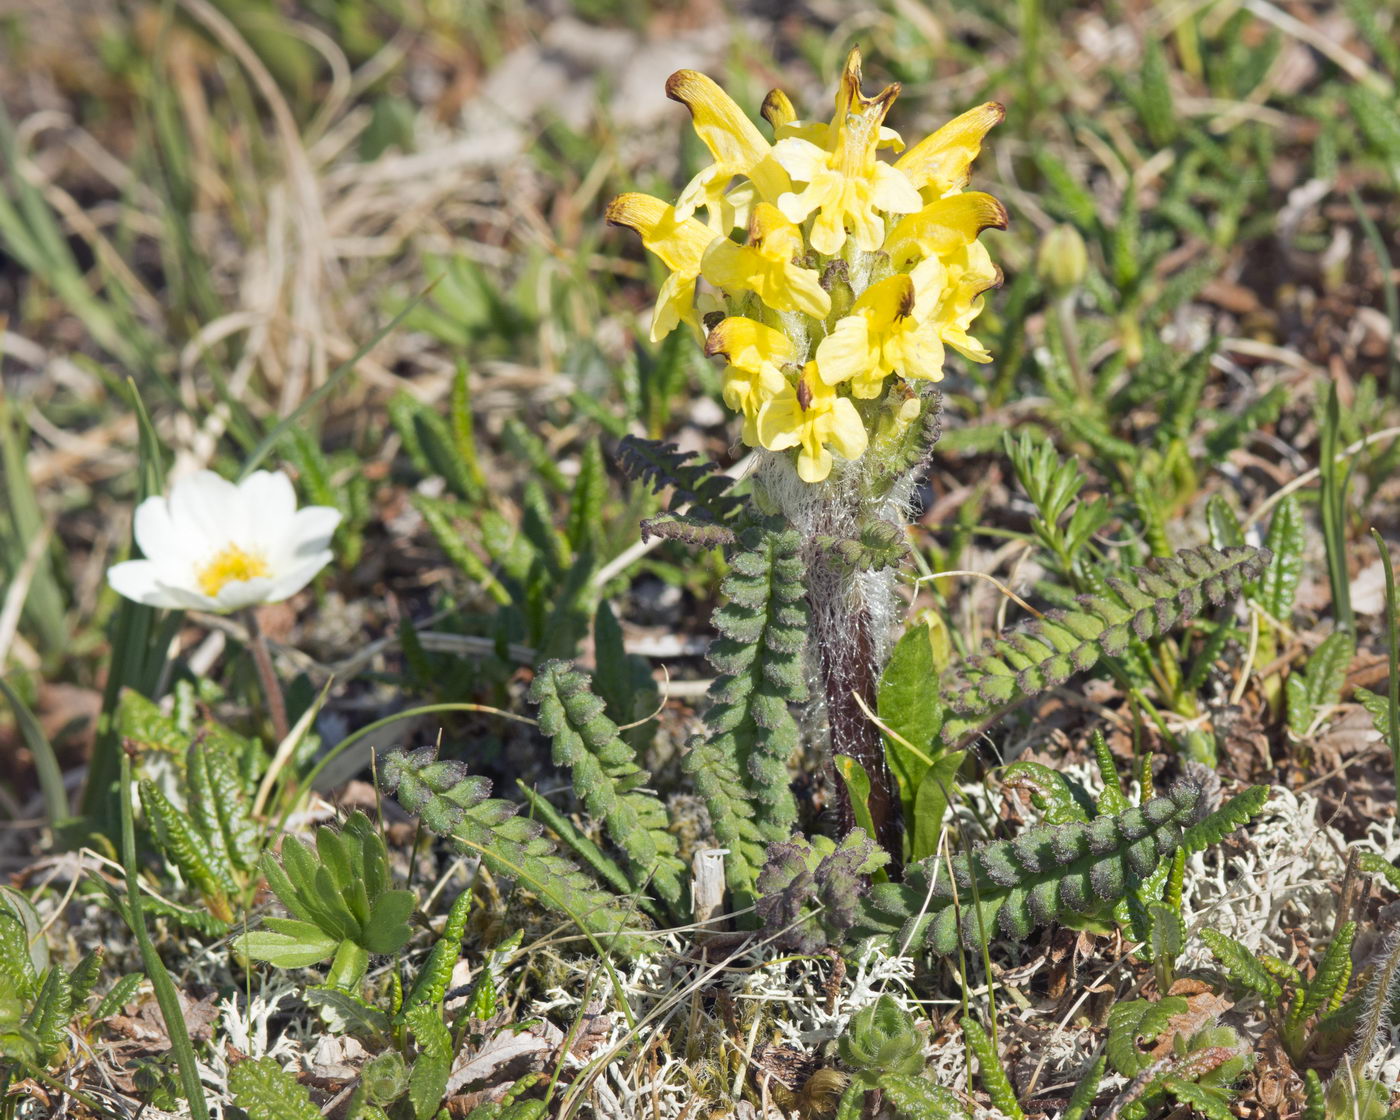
[[1203, 1008], [529, 1048]]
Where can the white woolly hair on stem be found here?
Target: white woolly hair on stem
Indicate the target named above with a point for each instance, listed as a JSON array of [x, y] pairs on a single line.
[[1377, 1001], [853, 613]]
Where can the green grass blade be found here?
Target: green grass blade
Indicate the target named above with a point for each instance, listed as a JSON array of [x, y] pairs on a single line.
[[45, 761], [166, 996]]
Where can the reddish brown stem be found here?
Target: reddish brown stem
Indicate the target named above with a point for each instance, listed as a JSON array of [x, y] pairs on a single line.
[[267, 675], [845, 651]]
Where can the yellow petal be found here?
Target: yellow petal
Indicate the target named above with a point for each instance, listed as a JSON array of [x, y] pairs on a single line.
[[829, 230], [857, 124], [780, 423], [680, 243], [917, 354], [675, 304], [801, 290], [813, 463], [729, 266], [967, 346], [749, 344], [734, 140], [847, 435], [941, 163], [944, 225], [731, 137], [765, 265], [845, 352], [892, 191], [777, 110], [889, 300], [774, 234], [802, 159]]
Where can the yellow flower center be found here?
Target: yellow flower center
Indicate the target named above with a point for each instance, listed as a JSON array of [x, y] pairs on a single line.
[[228, 565]]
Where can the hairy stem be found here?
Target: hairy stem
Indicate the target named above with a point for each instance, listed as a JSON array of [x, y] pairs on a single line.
[[845, 650]]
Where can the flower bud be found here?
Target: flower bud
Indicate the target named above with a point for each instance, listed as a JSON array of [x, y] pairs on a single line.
[[1062, 260]]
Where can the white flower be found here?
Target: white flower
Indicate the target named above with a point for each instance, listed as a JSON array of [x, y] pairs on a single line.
[[214, 545]]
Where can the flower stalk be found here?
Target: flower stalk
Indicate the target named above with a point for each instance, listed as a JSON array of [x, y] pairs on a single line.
[[267, 675]]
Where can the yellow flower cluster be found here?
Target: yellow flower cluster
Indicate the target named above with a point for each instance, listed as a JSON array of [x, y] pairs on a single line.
[[850, 270]]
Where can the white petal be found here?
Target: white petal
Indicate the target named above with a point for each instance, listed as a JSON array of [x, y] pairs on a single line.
[[139, 581], [240, 593], [158, 536], [204, 508], [268, 505], [288, 583], [313, 528]]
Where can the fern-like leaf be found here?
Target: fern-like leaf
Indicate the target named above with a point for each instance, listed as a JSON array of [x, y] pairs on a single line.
[[605, 773], [995, 1083], [881, 545], [905, 449], [810, 891], [206, 868], [1314, 1097], [265, 1091], [1234, 814], [697, 484], [459, 806], [1329, 983], [1132, 1019], [48, 1020], [84, 976], [740, 768], [698, 532], [1146, 602], [1241, 966], [436, 973], [1047, 873]]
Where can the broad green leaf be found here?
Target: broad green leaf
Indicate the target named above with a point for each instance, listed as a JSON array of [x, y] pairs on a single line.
[[858, 783], [931, 803], [387, 930], [908, 704], [287, 943]]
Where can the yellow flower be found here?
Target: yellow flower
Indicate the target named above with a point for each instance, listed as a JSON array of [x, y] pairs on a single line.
[[754, 376], [739, 149], [679, 243], [941, 163], [955, 286], [846, 183], [888, 331], [765, 265], [811, 416], [944, 227], [953, 268]]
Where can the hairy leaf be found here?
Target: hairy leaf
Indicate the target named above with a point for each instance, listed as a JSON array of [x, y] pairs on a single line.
[[699, 485], [604, 774], [267, 1092], [1048, 873], [1241, 965], [740, 766], [1145, 603], [457, 805]]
